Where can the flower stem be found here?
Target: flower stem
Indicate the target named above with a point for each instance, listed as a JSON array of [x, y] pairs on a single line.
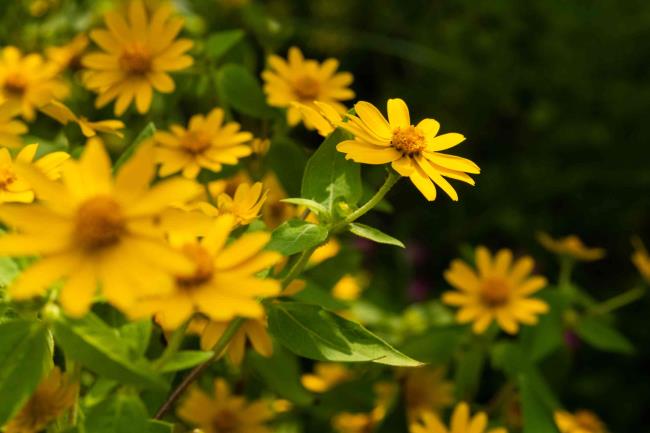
[[564, 278], [208, 194], [219, 348], [173, 344], [298, 266], [618, 301]]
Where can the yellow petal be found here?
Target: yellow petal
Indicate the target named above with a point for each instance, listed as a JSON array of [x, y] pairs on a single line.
[[398, 114]]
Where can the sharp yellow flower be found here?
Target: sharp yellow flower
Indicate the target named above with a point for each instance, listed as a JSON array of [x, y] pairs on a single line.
[[64, 115], [641, 259], [414, 151], [305, 81], [208, 143], [500, 291], [582, 421], [326, 376], [253, 330], [321, 116], [13, 187], [224, 412], [348, 288], [68, 55], [54, 395], [95, 230], [139, 51], [570, 246], [10, 128], [461, 422], [28, 82], [245, 204], [223, 284], [425, 389]]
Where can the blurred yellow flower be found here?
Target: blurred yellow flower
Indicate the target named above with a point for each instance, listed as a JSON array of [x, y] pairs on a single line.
[[137, 56], [413, 151], [347, 422], [95, 230], [304, 80], [275, 211], [28, 82], [570, 246], [54, 395], [461, 422], [253, 330], [10, 128], [64, 115], [223, 284], [208, 143], [348, 288], [321, 116], [324, 252], [245, 204], [425, 389], [641, 259], [326, 376], [68, 55], [223, 412], [13, 187], [582, 421], [500, 291], [260, 146]]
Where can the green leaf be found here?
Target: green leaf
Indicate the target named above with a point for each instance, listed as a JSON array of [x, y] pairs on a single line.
[[374, 234], [537, 417], [147, 132], [100, 348], [185, 359], [602, 336], [137, 335], [25, 358], [287, 159], [545, 337], [8, 271], [313, 206], [313, 294], [436, 346], [329, 177], [312, 332], [468, 372], [219, 43], [295, 236], [155, 426], [242, 91], [124, 413]]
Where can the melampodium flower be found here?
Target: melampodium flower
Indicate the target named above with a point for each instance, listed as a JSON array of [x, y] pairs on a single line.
[[347, 422], [461, 422], [641, 259], [10, 128], [28, 82], [95, 230], [425, 389], [326, 376], [413, 150], [275, 211], [223, 284], [64, 115], [54, 395], [500, 291], [137, 56], [208, 143], [582, 421], [348, 288], [68, 55], [570, 246], [224, 412], [253, 330], [305, 81], [245, 204], [321, 116], [13, 187]]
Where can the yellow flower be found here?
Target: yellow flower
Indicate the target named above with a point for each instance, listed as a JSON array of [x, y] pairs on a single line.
[[641, 259], [253, 330], [413, 151], [348, 288], [64, 115], [326, 376], [223, 284], [94, 229], [305, 81], [347, 422], [28, 82], [54, 395], [582, 421], [570, 246], [324, 252], [275, 211], [10, 129], [68, 55], [499, 291], [224, 412], [15, 189], [321, 116], [245, 204], [208, 143], [137, 56], [260, 146], [461, 422], [426, 389]]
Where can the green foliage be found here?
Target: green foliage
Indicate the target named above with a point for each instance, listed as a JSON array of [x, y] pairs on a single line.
[[219, 43], [122, 413], [537, 417], [295, 236], [185, 359], [146, 133], [241, 90], [374, 235], [602, 336]]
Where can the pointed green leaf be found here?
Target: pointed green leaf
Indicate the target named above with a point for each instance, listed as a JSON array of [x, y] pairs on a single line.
[[219, 43], [241, 90], [185, 359], [313, 206], [147, 132], [124, 413], [374, 234], [537, 417], [602, 336], [295, 236]]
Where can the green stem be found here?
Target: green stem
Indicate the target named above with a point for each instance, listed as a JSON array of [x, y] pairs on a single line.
[[566, 267], [618, 301], [219, 349], [173, 344], [208, 194], [298, 266]]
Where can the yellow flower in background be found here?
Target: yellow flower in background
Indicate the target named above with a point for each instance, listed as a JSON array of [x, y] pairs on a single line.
[[500, 291], [224, 412], [93, 230], [260, 146], [348, 288], [138, 52], [245, 204], [54, 395], [461, 422], [426, 390], [13, 187], [275, 211], [582, 421], [223, 284], [326, 376], [28, 82], [304, 80], [68, 55], [253, 330], [227, 185], [207, 143], [322, 117], [570, 246], [324, 252], [64, 115], [10, 128], [347, 422], [413, 151], [641, 259]]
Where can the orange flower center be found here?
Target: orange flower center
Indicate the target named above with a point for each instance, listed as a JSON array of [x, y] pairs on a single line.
[[15, 85], [99, 222], [225, 421], [306, 88], [495, 291], [136, 59], [7, 177], [573, 243], [409, 140], [195, 141], [204, 267], [588, 421]]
